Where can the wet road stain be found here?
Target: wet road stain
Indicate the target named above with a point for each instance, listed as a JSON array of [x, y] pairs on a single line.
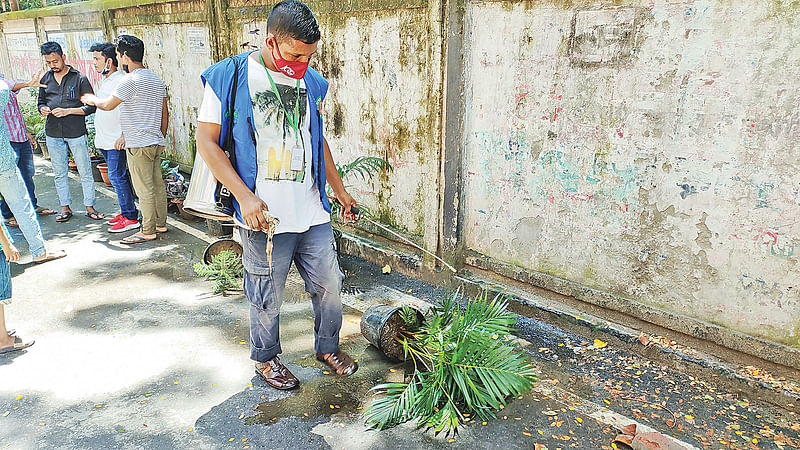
[[329, 394]]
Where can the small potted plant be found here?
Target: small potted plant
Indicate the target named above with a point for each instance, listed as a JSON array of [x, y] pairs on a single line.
[[225, 270], [465, 364]]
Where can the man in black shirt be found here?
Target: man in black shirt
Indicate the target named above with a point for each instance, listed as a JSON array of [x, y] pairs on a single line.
[[60, 102]]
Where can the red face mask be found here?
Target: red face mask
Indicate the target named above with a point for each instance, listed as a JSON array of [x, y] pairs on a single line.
[[292, 69]]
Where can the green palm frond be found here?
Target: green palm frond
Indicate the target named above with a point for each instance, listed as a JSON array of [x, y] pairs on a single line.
[[225, 270], [364, 167], [466, 361], [394, 404]]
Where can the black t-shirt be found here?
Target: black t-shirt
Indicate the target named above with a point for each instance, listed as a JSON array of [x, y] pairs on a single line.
[[65, 95]]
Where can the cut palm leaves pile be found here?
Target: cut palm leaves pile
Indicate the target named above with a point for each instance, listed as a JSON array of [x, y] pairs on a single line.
[[225, 271], [466, 365]]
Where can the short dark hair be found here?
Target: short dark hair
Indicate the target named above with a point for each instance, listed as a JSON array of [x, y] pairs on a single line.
[[131, 46], [294, 19], [107, 49], [51, 47]]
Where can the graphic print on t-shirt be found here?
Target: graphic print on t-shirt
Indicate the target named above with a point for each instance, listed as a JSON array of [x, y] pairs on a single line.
[[275, 131]]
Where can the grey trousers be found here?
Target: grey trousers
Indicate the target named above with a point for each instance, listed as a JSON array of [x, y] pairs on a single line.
[[315, 259]]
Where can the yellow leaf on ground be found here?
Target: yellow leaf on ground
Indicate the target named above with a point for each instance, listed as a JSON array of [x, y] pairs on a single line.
[[599, 344], [387, 269]]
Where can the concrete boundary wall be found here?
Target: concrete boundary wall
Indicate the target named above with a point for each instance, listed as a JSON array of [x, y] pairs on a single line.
[[638, 150]]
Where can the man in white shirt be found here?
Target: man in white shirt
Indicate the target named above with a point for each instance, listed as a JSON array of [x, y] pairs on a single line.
[[282, 165], [144, 118], [110, 141]]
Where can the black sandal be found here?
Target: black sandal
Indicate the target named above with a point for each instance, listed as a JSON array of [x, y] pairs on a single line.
[[95, 215], [64, 217]]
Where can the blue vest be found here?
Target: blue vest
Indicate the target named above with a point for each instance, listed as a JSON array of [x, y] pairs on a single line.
[[220, 77]]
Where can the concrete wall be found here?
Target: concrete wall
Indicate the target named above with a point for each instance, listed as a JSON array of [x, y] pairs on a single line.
[[651, 150]]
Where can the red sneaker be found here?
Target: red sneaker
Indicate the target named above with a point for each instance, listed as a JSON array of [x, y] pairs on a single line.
[[124, 224], [115, 219]]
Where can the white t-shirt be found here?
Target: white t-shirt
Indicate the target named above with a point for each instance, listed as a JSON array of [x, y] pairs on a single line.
[[106, 123], [142, 93], [284, 180]]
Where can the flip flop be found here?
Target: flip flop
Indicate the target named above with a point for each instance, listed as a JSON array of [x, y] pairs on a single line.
[[17, 346], [94, 215], [134, 239], [166, 230], [12, 222], [58, 254], [64, 217], [42, 211]]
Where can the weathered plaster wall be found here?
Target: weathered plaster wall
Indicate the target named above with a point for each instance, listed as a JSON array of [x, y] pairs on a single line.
[[651, 150]]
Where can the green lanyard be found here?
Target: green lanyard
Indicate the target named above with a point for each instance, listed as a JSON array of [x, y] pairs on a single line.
[[293, 121]]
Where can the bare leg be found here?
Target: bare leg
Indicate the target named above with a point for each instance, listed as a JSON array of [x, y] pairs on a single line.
[[5, 339]]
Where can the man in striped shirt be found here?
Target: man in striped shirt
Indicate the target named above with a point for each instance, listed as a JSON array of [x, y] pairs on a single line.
[[21, 142], [144, 120]]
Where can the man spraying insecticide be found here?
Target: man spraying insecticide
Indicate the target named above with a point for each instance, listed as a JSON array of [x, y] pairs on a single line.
[[281, 165]]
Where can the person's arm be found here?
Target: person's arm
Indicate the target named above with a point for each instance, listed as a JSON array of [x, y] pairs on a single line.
[[35, 82], [84, 88], [207, 138], [41, 103], [164, 118], [335, 180], [11, 252], [106, 104]]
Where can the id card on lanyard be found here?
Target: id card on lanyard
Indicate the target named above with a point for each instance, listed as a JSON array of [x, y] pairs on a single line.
[[298, 152]]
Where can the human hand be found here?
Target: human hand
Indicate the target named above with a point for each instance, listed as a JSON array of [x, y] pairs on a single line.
[[36, 81], [89, 99], [45, 110], [60, 112], [34, 144], [11, 252], [348, 203], [252, 209], [120, 143]]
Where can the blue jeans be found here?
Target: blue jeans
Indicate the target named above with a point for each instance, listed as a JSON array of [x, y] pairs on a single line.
[[12, 187], [25, 163], [315, 258], [79, 147], [5, 279], [118, 175]]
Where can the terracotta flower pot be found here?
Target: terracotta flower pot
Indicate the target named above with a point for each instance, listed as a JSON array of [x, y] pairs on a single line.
[[72, 165], [103, 168]]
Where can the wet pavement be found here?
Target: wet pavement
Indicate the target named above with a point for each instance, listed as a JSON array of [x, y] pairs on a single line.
[[133, 351]]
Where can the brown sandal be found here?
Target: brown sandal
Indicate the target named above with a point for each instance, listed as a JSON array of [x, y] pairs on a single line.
[[339, 362]]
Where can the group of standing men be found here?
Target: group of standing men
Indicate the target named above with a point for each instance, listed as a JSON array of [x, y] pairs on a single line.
[[131, 124], [131, 120]]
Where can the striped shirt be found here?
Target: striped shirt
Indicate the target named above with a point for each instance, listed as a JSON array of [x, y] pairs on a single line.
[[15, 123], [142, 93], [8, 158]]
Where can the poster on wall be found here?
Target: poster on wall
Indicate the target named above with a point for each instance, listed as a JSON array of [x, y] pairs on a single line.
[[23, 53], [76, 45], [196, 40]]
